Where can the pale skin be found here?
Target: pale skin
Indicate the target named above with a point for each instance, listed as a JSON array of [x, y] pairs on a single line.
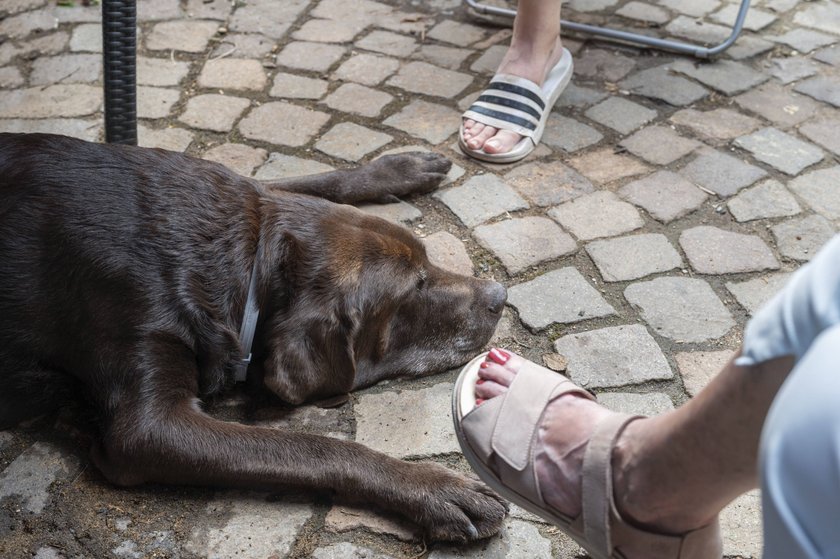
[[672, 473], [535, 48]]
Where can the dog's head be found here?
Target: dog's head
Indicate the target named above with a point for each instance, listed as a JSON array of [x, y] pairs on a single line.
[[366, 304]]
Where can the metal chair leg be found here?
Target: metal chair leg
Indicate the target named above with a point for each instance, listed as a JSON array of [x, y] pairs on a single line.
[[635, 38], [119, 57]]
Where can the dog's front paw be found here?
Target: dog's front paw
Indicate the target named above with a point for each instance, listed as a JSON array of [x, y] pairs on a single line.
[[407, 173], [452, 507]]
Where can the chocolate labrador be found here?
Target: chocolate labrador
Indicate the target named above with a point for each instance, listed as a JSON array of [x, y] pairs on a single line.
[[126, 274]]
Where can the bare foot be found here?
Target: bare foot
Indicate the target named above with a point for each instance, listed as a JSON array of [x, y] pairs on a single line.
[[526, 61], [565, 429]]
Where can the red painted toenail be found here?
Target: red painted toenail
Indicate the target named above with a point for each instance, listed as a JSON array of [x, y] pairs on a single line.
[[480, 381], [484, 364], [479, 401], [499, 356]]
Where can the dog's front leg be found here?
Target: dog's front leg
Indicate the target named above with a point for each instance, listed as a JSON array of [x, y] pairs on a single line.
[[379, 181]]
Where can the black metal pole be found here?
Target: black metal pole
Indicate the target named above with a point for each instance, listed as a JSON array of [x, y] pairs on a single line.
[[119, 58]]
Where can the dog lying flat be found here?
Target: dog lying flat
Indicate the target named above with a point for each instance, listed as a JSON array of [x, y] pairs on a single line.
[[124, 277]]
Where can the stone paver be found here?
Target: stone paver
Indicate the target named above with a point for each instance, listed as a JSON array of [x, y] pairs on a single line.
[[711, 250], [315, 57], [699, 367], [752, 294], [580, 97], [600, 214], [603, 64], [351, 142], [725, 76], [160, 71], [717, 124], [51, 101], [821, 88], [636, 404], [186, 36], [721, 173], [214, 112], [480, 198], [605, 166], [343, 518], [780, 150], [282, 123], [237, 157], [741, 526], [358, 99], [778, 105], [801, 238], [366, 68], [460, 34], [31, 474], [824, 16], [824, 130], [346, 550], [789, 70], [682, 309], [447, 251], [620, 114], [280, 166], [69, 68], [634, 256], [291, 86], [547, 183], [821, 191], [523, 242], [518, 540], [173, 139], [409, 423], [664, 195], [562, 296], [660, 83], [659, 145], [613, 356], [428, 121], [233, 73], [568, 134], [805, 40], [768, 199], [422, 77], [388, 43]]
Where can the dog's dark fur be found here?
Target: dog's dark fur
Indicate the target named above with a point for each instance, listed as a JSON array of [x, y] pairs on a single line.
[[123, 277]]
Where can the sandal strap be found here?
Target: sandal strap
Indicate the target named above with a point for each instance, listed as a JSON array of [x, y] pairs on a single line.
[[510, 103]]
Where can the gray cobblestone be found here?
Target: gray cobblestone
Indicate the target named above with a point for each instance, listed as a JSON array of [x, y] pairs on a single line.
[[400, 212], [265, 17], [187, 36], [428, 121], [51, 101], [805, 40], [660, 83], [580, 97], [30, 475], [481, 198], [561, 296], [682, 309], [721, 173], [822, 16], [173, 139], [819, 190], [600, 214], [778, 105], [659, 145], [291, 86], [548, 183], [489, 61], [388, 43], [821, 88], [603, 166], [77, 128], [644, 12], [160, 71], [155, 102], [568, 134], [725, 76], [714, 251], [67, 68], [342, 518], [768, 199], [740, 526], [753, 294], [21, 25], [633, 257], [802, 237], [791, 69], [422, 77], [209, 9], [283, 124], [697, 368], [351, 142], [439, 55], [636, 404], [603, 65], [315, 57], [756, 20], [214, 112], [237, 157], [10, 77], [665, 195], [691, 7], [447, 251], [367, 69], [717, 124], [233, 73], [620, 114], [517, 540], [410, 423], [328, 31], [358, 99], [156, 10], [524, 242], [824, 130], [613, 356], [347, 550], [460, 34], [87, 38], [781, 151], [281, 166], [244, 45], [829, 55]]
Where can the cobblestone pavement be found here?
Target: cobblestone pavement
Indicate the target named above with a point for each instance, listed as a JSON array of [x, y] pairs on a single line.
[[669, 199]]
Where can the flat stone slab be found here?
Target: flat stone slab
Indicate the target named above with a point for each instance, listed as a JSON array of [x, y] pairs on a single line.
[[664, 195], [283, 124], [173, 139], [77, 128], [448, 252], [517, 540], [756, 19], [342, 518], [568, 134], [620, 114], [347, 550], [600, 214], [801, 238], [605, 166], [697, 368], [280, 166], [683, 309], [753, 294], [351, 142], [400, 212], [561, 296], [780, 150], [721, 173], [613, 356], [548, 183], [777, 104], [766, 200], [237, 157], [741, 526], [186, 36], [233, 73], [636, 404], [160, 72], [422, 77], [314, 57], [805, 40], [214, 112], [155, 102], [251, 527], [366, 68], [388, 43], [480, 198], [427, 121], [52, 101], [358, 99], [524, 242], [717, 124], [659, 145], [66, 68], [660, 83], [634, 256], [821, 88], [410, 423], [30, 475], [824, 16], [821, 190], [292, 86], [603, 65], [714, 251], [824, 130], [457, 33], [789, 70]]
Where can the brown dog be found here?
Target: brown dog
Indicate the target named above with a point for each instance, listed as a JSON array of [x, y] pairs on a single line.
[[124, 275]]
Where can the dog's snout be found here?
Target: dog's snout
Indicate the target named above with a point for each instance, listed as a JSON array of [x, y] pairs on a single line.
[[496, 296]]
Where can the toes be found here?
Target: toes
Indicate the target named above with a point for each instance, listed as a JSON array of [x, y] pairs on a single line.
[[497, 374], [469, 124], [484, 390], [502, 142], [477, 142]]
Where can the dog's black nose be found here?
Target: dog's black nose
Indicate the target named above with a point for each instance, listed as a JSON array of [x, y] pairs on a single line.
[[496, 296]]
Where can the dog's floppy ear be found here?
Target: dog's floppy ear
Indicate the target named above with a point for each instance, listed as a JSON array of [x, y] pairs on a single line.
[[311, 352]]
